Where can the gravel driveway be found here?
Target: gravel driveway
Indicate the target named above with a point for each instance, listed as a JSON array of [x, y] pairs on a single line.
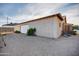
[[22, 45]]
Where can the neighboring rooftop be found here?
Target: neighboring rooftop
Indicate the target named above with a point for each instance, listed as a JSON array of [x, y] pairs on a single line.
[[11, 24]]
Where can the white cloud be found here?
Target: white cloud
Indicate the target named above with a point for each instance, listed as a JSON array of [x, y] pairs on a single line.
[[39, 9], [71, 15], [36, 10], [74, 20]]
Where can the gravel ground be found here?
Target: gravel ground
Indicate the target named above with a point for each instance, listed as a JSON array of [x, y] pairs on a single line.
[[22, 45]]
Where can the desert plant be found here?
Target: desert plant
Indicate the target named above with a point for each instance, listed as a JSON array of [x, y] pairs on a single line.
[[72, 32], [17, 31], [31, 31], [34, 29]]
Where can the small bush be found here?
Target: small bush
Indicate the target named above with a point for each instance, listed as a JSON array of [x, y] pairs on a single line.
[[31, 32], [17, 31], [73, 33], [34, 29]]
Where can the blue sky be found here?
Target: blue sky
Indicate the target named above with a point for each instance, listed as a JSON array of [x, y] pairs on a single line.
[[20, 12]]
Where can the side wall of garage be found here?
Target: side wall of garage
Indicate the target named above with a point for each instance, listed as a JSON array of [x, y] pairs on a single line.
[[46, 27]]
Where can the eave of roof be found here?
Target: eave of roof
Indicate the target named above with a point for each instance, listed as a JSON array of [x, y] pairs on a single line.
[[58, 15]]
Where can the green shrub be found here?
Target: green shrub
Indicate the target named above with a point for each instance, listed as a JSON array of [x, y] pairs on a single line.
[[34, 29], [73, 33], [31, 31], [17, 31]]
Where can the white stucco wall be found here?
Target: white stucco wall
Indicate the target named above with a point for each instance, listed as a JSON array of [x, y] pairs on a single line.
[[59, 28], [47, 27], [17, 28], [24, 28]]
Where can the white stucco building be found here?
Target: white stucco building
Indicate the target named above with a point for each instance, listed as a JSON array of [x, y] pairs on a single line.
[[16, 26], [50, 26]]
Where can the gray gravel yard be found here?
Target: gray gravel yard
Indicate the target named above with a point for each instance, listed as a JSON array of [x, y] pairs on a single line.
[[22, 45]]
